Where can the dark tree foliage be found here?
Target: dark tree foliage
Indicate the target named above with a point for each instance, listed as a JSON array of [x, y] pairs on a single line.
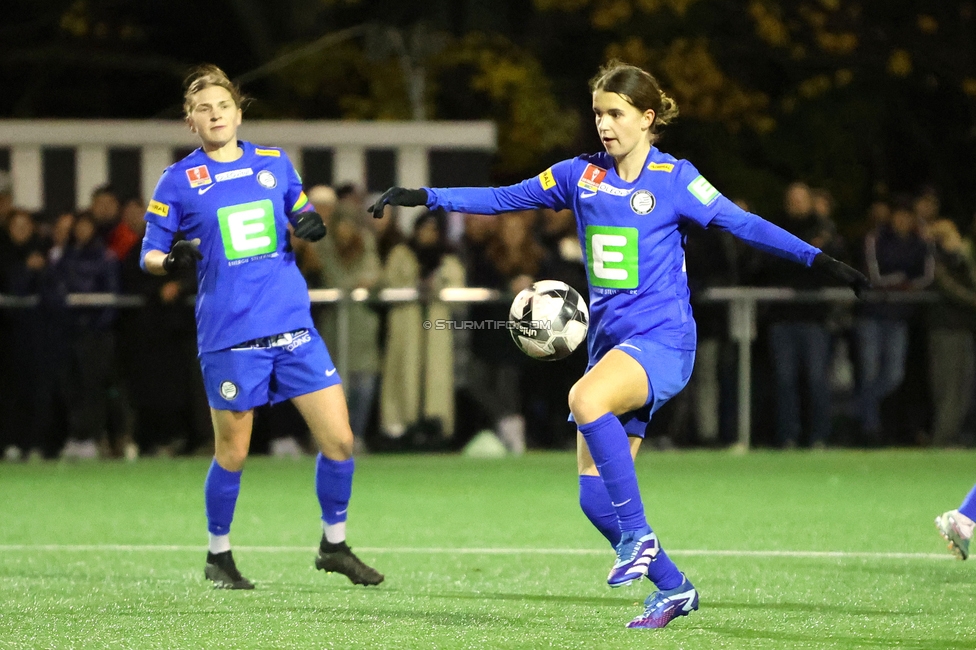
[[859, 96]]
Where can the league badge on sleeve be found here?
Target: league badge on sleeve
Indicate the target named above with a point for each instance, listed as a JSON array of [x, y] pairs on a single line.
[[198, 176], [592, 177]]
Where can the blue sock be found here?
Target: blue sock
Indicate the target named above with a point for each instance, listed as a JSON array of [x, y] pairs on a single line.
[[333, 484], [968, 506], [607, 441], [220, 492], [662, 571], [595, 503]]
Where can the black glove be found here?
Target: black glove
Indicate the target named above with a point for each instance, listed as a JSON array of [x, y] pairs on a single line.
[[310, 227], [398, 196], [840, 271], [182, 256]]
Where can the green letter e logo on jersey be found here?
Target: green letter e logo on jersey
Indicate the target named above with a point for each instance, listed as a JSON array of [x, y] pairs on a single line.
[[248, 229], [611, 257]]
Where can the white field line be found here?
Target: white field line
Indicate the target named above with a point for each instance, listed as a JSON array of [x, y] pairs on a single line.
[[150, 548]]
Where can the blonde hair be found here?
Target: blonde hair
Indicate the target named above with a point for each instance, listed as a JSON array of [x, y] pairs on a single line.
[[204, 76], [638, 87]]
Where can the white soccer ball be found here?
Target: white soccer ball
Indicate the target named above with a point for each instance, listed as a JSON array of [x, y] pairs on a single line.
[[548, 320]]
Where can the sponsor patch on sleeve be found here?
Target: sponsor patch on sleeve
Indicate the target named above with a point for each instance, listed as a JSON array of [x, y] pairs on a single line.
[[547, 180], [268, 152], [592, 177], [702, 190], [158, 208], [661, 167]]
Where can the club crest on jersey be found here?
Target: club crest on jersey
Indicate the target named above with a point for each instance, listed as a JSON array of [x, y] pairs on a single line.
[[266, 179], [642, 202], [591, 178], [198, 176], [228, 390]]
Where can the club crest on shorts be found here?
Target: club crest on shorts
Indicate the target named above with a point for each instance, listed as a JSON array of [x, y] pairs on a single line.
[[228, 390], [642, 202], [266, 179]]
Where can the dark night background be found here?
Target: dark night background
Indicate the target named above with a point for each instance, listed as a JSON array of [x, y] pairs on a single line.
[[863, 97]]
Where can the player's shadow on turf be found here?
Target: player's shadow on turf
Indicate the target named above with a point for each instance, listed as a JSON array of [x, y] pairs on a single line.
[[810, 607], [815, 640], [563, 600]]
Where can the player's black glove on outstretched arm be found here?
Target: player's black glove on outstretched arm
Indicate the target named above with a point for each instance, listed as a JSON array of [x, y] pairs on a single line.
[[310, 226], [398, 196], [840, 271], [182, 256]]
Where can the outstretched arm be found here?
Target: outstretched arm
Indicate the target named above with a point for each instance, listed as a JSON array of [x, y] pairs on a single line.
[[768, 237], [542, 191], [699, 201]]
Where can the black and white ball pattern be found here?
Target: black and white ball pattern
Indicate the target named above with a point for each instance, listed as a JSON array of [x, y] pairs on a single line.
[[554, 303]]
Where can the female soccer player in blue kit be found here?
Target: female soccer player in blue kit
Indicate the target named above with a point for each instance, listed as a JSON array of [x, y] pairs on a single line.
[[257, 344], [630, 203]]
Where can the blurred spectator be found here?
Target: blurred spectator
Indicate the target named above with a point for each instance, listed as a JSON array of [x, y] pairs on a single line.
[[105, 213], [60, 236], [349, 261], [952, 358], [6, 198], [822, 205], [88, 267], [897, 259], [157, 336], [350, 196], [323, 200], [418, 366], [545, 386], [21, 268], [511, 261], [712, 261], [799, 338], [927, 208], [126, 234]]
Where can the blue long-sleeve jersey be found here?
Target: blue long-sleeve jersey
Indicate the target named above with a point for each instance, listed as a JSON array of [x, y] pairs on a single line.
[[248, 283], [631, 239]]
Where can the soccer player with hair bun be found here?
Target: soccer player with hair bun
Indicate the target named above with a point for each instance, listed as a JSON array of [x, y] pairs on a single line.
[[630, 202], [235, 202]]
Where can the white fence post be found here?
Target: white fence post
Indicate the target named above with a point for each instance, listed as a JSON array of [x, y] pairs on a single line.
[[26, 172], [91, 171]]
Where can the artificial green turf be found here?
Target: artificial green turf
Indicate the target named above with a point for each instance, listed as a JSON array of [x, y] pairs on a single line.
[[97, 596]]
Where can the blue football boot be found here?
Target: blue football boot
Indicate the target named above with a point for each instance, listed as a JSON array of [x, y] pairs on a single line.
[[635, 552], [661, 607]]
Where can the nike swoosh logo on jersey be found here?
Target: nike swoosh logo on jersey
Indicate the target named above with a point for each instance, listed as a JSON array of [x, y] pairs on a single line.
[[203, 190], [329, 373], [586, 195]]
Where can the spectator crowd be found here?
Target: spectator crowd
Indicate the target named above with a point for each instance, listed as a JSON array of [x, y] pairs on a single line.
[[121, 381]]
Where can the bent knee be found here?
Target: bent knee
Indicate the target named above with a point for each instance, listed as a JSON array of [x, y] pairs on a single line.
[[231, 457], [584, 405], [337, 446]]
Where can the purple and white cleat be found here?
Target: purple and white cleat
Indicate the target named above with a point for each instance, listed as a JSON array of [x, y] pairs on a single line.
[[662, 607], [635, 552]]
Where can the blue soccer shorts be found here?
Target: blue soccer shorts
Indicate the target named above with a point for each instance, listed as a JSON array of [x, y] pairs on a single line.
[[270, 369], [668, 371]]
